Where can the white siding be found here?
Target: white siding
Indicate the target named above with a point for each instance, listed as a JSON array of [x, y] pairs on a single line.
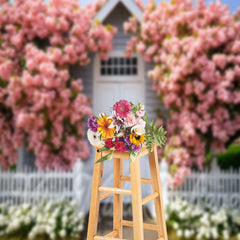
[[152, 102], [86, 74], [116, 18]]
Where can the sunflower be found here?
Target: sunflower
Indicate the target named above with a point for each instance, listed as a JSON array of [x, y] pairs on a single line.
[[103, 127], [137, 139]]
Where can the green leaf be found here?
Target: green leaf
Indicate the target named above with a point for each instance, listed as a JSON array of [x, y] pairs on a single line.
[[152, 123], [132, 156], [106, 157], [155, 127], [104, 148], [145, 118]]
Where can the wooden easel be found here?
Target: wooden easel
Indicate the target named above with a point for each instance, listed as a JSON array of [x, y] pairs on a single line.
[[100, 192]]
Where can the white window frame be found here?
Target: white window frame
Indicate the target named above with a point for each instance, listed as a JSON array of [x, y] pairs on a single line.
[[139, 77], [124, 79]]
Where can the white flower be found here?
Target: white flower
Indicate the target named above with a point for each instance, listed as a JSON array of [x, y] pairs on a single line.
[[27, 220], [73, 203], [63, 233], [187, 233], [52, 221], [138, 129], [226, 235], [94, 138], [238, 236], [31, 235], [80, 215], [179, 233], [52, 236], [64, 219], [80, 227], [141, 107], [214, 232], [175, 226], [182, 215], [49, 229]]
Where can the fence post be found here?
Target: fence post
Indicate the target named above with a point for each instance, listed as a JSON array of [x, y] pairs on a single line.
[[163, 168]]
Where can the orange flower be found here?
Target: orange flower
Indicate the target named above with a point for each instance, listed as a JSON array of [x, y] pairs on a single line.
[[104, 129]]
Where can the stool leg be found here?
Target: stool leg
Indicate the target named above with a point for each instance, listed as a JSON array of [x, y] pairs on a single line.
[[95, 198], [117, 198], [136, 199], [156, 185]]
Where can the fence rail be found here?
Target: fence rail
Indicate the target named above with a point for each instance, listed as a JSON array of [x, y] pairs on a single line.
[[35, 187], [215, 188]]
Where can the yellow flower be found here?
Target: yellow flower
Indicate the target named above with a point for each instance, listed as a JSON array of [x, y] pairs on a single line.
[[137, 139], [103, 127]]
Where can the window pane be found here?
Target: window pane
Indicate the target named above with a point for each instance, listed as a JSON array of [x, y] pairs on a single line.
[[119, 66], [134, 61], [134, 71], [115, 61], [121, 61], [121, 71], [110, 61], [128, 71], [103, 71], [115, 71], [109, 71]]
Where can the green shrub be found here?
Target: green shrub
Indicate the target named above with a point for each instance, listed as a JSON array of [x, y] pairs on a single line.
[[230, 159]]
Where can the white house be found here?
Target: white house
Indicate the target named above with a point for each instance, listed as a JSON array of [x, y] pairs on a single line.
[[118, 78], [106, 82]]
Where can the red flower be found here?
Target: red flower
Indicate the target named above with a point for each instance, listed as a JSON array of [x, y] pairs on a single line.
[[109, 143], [120, 147]]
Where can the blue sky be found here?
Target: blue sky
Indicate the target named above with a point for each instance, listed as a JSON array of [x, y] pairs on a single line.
[[233, 4]]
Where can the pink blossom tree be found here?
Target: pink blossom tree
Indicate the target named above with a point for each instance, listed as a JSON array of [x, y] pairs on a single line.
[[39, 101], [196, 74]]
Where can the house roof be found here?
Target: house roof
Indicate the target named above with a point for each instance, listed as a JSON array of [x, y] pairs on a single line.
[[130, 5]]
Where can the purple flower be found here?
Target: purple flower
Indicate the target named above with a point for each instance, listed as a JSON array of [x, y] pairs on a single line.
[[126, 148], [127, 140], [92, 124], [136, 148]]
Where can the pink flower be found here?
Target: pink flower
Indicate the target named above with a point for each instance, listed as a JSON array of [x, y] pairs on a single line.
[[141, 47], [141, 122], [131, 119], [220, 60], [140, 113], [122, 108]]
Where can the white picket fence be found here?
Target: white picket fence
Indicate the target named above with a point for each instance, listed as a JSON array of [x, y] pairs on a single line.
[[33, 187], [211, 188], [216, 188]]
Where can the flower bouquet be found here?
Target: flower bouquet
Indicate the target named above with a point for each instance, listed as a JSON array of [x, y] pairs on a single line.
[[125, 130]]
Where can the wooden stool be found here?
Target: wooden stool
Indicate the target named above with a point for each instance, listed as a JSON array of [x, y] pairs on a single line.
[[100, 192]]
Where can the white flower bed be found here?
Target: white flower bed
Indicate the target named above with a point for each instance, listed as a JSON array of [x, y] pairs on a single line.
[[192, 222], [51, 220]]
